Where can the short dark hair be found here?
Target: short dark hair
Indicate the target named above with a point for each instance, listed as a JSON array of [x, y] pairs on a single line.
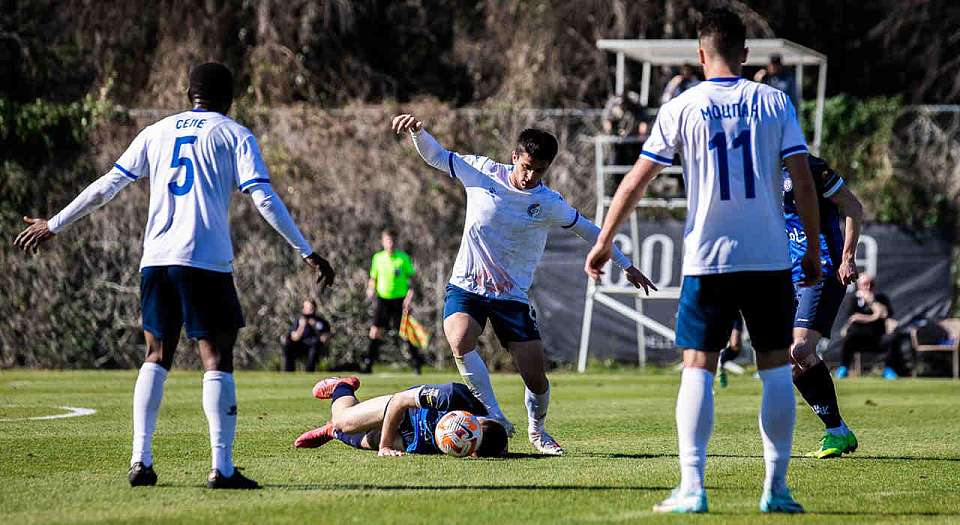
[[494, 441], [725, 31], [389, 232], [538, 143], [212, 83]]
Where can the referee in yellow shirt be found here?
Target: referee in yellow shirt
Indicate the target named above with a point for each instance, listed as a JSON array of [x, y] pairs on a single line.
[[391, 289]]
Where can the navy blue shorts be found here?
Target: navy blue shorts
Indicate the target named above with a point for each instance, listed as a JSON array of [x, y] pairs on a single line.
[[817, 306], [513, 321], [711, 304], [171, 296]]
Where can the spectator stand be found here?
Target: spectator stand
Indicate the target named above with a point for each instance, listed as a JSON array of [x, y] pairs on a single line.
[[665, 52]]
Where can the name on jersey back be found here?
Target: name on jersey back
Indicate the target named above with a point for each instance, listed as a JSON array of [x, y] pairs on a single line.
[[723, 111]]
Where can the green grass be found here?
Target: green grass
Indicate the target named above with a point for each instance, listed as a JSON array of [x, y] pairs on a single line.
[[617, 428]]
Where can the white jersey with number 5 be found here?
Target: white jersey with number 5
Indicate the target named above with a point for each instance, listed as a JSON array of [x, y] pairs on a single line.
[[195, 160], [731, 135]]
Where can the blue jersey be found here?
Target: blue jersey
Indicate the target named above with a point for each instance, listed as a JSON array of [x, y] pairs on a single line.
[[827, 183], [433, 402]]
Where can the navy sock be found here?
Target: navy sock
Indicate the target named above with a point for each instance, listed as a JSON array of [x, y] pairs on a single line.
[[341, 390], [353, 439], [816, 387]]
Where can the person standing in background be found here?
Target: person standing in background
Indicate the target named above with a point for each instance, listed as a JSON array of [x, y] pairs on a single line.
[[307, 338], [391, 289]]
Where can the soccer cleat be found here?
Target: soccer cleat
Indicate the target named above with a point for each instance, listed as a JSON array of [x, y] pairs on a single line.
[[842, 372], [831, 446], [780, 501], [890, 374], [316, 437], [723, 377], [544, 443], [141, 475], [852, 443], [692, 502], [324, 388], [216, 480]]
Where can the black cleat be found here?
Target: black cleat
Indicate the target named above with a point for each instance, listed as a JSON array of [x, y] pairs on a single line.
[[141, 475], [216, 480]]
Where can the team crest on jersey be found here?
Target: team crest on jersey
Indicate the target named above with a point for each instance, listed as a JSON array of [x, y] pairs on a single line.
[[787, 184], [534, 210]]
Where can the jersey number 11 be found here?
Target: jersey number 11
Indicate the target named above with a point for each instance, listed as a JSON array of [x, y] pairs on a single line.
[[742, 141]]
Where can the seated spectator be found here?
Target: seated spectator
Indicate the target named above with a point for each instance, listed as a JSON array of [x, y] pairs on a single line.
[[680, 83], [774, 75], [307, 339], [866, 329]]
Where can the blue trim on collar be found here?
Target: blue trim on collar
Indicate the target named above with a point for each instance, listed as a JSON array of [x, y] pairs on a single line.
[[723, 79], [198, 110]]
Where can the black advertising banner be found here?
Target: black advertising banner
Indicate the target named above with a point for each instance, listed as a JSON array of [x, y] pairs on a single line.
[[912, 269]]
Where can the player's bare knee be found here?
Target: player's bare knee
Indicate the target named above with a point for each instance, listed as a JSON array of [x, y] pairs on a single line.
[[803, 353]]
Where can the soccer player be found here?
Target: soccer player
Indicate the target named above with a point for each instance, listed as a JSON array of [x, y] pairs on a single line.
[[398, 423], [817, 305], [193, 161], [391, 289], [732, 135], [509, 213]]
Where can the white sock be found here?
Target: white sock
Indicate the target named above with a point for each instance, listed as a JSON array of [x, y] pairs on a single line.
[[474, 373], [146, 405], [220, 406], [694, 425], [778, 412], [537, 405]]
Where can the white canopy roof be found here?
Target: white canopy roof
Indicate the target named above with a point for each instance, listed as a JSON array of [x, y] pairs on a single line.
[[675, 52]]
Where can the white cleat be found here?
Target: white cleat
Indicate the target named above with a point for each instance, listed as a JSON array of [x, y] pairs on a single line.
[[692, 502], [544, 443]]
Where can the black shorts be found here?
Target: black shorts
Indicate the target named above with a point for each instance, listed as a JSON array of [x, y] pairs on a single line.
[[206, 301], [387, 313], [711, 304]]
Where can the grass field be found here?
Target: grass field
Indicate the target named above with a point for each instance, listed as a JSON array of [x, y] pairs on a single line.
[[617, 428]]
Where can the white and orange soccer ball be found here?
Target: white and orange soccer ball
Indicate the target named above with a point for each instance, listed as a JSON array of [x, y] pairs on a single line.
[[458, 433]]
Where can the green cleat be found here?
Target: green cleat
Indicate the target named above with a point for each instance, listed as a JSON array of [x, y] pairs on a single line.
[[831, 446], [723, 377], [852, 443]]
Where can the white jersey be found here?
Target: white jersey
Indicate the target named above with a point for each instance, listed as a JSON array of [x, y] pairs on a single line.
[[505, 230], [732, 135], [195, 160]]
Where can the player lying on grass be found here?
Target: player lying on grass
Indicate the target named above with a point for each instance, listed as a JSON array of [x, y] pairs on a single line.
[[733, 135], [817, 305], [398, 423], [509, 214], [193, 162]]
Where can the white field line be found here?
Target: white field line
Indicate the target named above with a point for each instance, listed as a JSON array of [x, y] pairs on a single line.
[[71, 412]]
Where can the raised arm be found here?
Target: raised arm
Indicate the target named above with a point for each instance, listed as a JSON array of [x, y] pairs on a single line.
[[397, 405], [852, 211], [429, 149], [98, 193]]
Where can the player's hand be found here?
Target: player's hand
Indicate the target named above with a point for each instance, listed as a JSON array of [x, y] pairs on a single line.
[[598, 256], [847, 272], [387, 452], [811, 267], [325, 273], [37, 232], [406, 122], [407, 303], [639, 280]]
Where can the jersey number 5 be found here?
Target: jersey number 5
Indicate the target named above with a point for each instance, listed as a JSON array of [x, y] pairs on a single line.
[[177, 161], [742, 141]]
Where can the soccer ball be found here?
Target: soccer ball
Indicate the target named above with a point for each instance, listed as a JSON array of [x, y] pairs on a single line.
[[458, 433]]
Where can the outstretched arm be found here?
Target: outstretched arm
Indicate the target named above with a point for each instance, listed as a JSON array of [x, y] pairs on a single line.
[[98, 193], [631, 189], [590, 232], [429, 149], [399, 403], [273, 210]]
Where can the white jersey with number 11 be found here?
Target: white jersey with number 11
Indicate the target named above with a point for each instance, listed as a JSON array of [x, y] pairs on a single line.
[[732, 135]]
